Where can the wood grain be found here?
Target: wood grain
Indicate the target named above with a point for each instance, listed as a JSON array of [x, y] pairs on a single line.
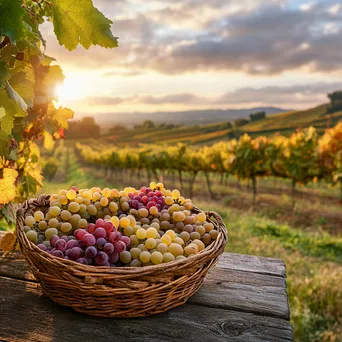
[[27, 317]]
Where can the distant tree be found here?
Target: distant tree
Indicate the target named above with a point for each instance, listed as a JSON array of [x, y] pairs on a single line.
[[335, 102], [241, 122], [83, 128], [257, 116], [148, 124]]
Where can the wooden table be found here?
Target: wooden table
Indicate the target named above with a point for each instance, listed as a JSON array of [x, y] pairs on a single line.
[[242, 299]]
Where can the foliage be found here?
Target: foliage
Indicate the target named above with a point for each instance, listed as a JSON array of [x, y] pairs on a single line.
[[335, 102], [82, 128], [27, 82], [257, 116]]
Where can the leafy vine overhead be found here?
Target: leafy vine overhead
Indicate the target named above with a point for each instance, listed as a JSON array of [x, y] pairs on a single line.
[[27, 81]]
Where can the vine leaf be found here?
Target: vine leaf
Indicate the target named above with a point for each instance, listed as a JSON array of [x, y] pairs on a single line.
[[12, 94], [8, 242], [4, 72], [79, 22]]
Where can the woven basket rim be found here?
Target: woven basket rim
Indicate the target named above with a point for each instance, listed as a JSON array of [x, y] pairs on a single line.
[[211, 251]]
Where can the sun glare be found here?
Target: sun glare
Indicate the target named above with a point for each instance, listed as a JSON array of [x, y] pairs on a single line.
[[68, 91]]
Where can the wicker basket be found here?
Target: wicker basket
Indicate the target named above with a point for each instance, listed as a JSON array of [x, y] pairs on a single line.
[[118, 291]]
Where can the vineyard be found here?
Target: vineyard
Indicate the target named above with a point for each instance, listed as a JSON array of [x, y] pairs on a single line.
[[301, 158]]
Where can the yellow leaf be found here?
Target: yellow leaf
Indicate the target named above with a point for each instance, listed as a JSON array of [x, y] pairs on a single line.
[[8, 242]]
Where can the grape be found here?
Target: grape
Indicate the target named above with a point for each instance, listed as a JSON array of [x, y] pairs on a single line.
[[124, 222], [175, 249], [50, 232], [142, 247], [42, 246], [166, 239], [206, 239], [79, 200], [42, 225], [115, 220], [135, 252], [53, 223], [141, 233], [119, 246], [143, 212], [74, 220], [66, 227], [108, 248], [83, 261], [185, 236], [108, 226], [162, 248], [91, 228], [30, 221], [79, 234], [75, 253], [71, 243], [83, 210], [134, 240], [71, 237], [157, 258], [178, 240], [191, 249], [199, 244], [168, 200], [87, 194], [32, 236], [53, 239], [101, 242], [165, 225], [26, 229], [151, 233], [128, 231], [61, 245], [104, 201], [57, 253], [150, 243], [145, 256], [175, 194], [171, 233], [89, 239], [167, 257], [200, 230], [54, 211], [180, 226], [126, 240], [178, 216], [125, 257], [100, 233], [96, 196], [71, 194], [213, 234], [201, 217], [65, 215], [38, 216], [73, 207], [144, 220], [114, 236], [195, 236], [180, 257], [114, 257], [101, 258], [91, 209], [63, 237], [153, 210], [124, 206], [113, 207], [135, 263], [99, 223]]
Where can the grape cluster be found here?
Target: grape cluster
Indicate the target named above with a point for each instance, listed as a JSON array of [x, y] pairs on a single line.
[[131, 227]]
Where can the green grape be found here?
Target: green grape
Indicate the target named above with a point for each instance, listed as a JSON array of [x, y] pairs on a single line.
[[74, 220], [155, 225], [124, 222], [32, 236], [26, 229], [135, 252], [208, 227], [145, 220], [71, 194], [73, 207], [178, 240], [30, 221], [104, 201], [150, 243], [136, 227], [213, 234], [132, 220], [141, 233], [151, 232], [86, 215], [168, 200], [65, 215], [66, 227], [134, 240], [167, 257], [175, 194], [175, 249], [63, 200], [200, 230], [79, 199], [124, 206], [191, 249], [42, 225], [86, 202], [38, 216], [107, 212], [201, 217], [125, 257], [199, 244], [157, 258], [180, 257], [153, 210], [195, 236], [91, 209], [171, 233], [164, 225], [145, 226], [185, 236], [180, 226], [206, 239], [56, 204], [142, 247], [162, 248], [83, 208], [128, 231], [96, 196], [166, 239], [145, 256], [82, 223], [98, 206], [178, 216], [50, 232], [113, 207], [135, 263], [53, 223], [87, 195]]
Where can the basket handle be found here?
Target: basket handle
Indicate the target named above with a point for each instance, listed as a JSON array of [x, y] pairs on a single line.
[[216, 216]]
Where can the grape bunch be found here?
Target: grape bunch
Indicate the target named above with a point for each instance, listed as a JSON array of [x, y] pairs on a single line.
[[131, 227]]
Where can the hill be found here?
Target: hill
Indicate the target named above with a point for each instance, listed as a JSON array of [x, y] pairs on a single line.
[[189, 117]]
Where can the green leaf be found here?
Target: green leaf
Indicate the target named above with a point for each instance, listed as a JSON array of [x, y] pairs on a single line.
[[48, 140], [4, 72], [12, 94], [11, 19], [79, 22]]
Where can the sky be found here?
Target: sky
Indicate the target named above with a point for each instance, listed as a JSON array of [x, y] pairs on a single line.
[[176, 55]]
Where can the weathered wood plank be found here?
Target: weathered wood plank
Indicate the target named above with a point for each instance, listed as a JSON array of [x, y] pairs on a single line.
[[223, 288], [251, 263], [26, 317]]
